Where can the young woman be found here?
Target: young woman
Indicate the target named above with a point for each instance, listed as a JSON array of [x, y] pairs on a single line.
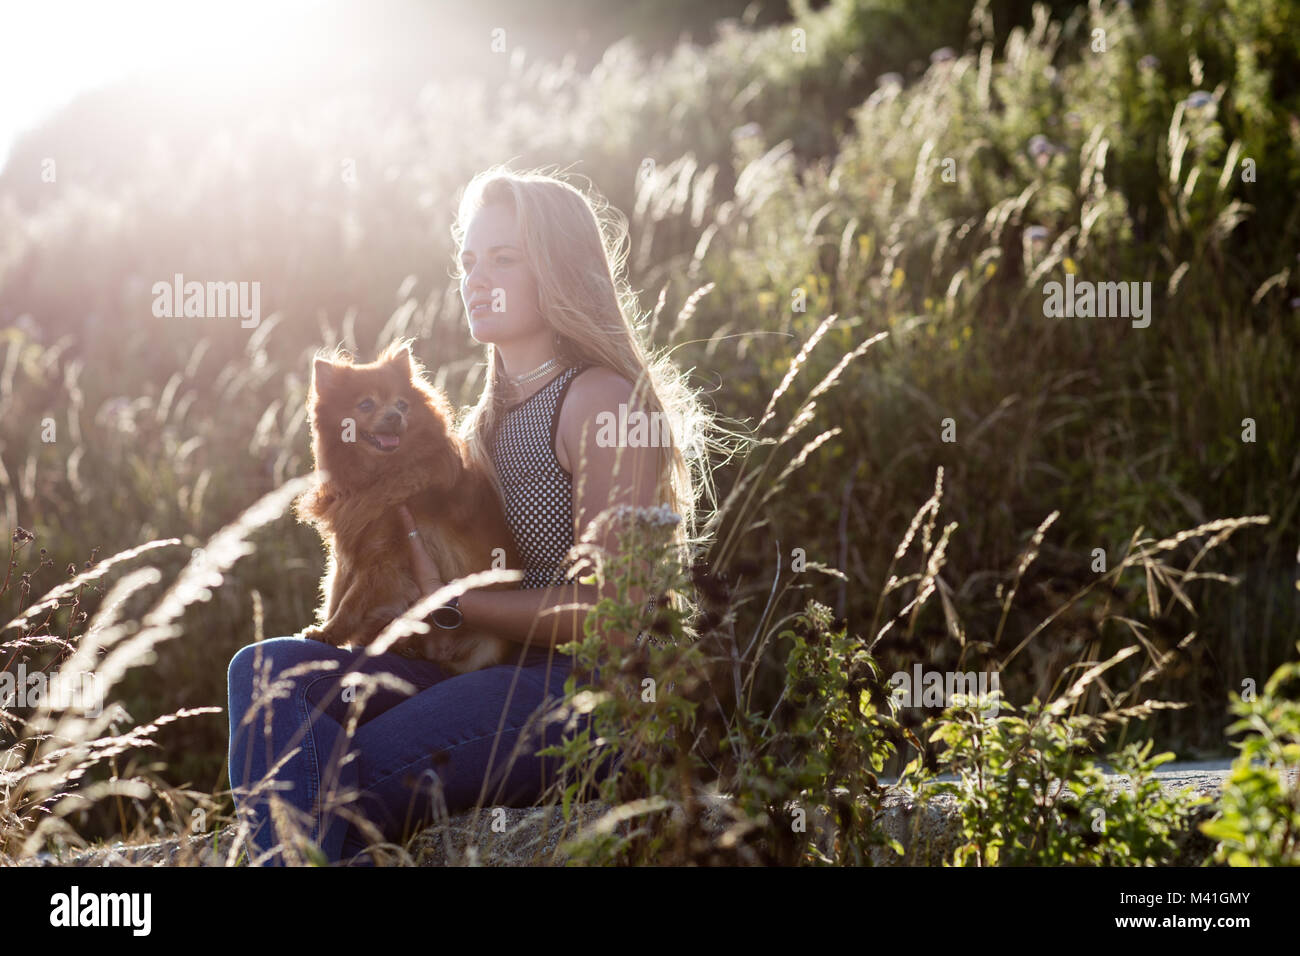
[[540, 277]]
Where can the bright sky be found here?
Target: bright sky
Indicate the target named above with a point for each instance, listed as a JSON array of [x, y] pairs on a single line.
[[51, 50]]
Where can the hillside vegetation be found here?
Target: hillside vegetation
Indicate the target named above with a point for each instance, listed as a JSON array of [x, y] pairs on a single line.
[[822, 184]]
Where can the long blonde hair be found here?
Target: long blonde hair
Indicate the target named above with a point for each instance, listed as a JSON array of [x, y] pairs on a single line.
[[576, 248]]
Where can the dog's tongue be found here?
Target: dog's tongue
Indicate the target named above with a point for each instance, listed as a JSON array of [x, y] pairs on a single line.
[[387, 441]]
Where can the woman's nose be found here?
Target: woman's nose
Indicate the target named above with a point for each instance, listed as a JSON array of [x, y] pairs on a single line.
[[477, 279]]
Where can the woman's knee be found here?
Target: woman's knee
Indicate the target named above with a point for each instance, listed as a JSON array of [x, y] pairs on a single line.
[[273, 655]]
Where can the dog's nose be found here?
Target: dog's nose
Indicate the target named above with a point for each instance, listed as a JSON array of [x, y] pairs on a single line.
[[392, 417]]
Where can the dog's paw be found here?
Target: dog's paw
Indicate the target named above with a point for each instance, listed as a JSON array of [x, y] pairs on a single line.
[[414, 647], [320, 633]]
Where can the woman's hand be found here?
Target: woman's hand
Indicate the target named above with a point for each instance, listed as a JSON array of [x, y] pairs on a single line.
[[426, 571]]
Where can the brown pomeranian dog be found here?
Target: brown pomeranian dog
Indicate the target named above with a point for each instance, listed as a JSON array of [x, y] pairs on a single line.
[[382, 437]]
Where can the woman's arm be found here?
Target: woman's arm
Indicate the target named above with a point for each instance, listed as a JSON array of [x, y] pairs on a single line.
[[529, 615], [605, 475]]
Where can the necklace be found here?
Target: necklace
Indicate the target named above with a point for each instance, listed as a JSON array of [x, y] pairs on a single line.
[[546, 367]]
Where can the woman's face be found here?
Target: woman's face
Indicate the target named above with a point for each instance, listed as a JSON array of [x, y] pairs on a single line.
[[499, 291]]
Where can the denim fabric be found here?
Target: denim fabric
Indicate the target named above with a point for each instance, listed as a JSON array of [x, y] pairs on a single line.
[[457, 731]]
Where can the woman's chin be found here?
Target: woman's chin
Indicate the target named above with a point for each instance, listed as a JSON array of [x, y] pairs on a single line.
[[492, 330], [486, 329]]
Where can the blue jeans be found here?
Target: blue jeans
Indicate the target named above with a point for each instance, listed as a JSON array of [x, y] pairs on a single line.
[[456, 741]]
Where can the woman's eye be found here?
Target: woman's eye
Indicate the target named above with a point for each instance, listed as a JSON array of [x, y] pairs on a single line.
[[401, 405], [366, 405], [504, 260]]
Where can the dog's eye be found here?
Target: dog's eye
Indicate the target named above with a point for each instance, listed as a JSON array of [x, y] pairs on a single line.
[[365, 405]]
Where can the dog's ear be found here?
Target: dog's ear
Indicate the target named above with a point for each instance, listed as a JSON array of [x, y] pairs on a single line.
[[323, 375], [400, 360]]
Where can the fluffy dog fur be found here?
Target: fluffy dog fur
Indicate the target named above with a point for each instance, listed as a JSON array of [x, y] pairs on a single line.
[[399, 449]]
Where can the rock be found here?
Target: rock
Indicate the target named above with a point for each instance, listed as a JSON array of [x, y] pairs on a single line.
[[533, 836], [502, 836], [176, 851]]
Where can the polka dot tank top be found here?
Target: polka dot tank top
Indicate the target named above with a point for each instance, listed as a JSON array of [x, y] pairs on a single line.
[[538, 491]]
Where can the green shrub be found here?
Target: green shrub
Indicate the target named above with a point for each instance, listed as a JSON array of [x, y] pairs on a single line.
[[1258, 823], [1027, 794]]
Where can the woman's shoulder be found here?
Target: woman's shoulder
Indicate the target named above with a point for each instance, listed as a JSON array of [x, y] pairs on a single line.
[[597, 388], [592, 395], [592, 375]]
